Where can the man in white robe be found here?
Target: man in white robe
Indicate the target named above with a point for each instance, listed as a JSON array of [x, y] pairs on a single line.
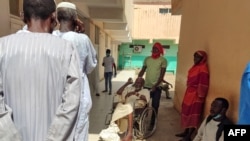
[[69, 23], [40, 81]]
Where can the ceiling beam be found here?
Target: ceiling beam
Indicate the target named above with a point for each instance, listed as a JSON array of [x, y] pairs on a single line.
[[115, 26], [106, 14]]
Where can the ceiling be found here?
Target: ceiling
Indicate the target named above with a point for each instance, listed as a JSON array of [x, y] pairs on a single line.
[[114, 17]]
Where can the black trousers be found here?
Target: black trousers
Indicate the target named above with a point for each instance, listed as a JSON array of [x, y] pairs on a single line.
[[155, 96]]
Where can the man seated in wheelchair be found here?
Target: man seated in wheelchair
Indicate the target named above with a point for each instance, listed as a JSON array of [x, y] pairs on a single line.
[[129, 98]]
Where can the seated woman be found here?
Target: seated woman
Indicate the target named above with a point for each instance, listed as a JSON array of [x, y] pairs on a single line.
[[130, 97]]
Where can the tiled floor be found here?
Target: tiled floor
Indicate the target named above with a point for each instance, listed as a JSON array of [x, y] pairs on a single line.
[[168, 118]]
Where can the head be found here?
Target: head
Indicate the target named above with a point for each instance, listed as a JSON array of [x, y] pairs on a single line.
[[139, 83], [108, 52], [157, 50], [200, 57], [43, 10], [219, 108], [66, 13]]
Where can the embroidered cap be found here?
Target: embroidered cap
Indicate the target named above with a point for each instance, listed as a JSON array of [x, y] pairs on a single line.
[[66, 5]]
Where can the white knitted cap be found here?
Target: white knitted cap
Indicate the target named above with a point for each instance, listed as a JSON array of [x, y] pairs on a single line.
[[66, 5]]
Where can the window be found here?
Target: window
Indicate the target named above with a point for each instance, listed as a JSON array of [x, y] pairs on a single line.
[[164, 10]]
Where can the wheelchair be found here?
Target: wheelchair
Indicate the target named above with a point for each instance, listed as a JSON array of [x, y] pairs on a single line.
[[143, 127]]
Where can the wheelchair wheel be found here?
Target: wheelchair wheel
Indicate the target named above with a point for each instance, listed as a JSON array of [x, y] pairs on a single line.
[[146, 129]]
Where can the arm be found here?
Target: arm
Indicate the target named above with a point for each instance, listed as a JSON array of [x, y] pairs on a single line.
[[131, 93], [198, 136], [203, 84], [222, 136], [79, 26], [143, 69], [162, 73], [121, 89], [65, 119], [8, 130], [91, 60], [103, 62], [141, 73], [164, 81], [114, 67], [142, 97]]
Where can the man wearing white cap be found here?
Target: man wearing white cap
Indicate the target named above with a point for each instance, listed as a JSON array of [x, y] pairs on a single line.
[[40, 80], [69, 24]]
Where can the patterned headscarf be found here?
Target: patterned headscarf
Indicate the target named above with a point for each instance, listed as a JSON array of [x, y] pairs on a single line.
[[160, 48]]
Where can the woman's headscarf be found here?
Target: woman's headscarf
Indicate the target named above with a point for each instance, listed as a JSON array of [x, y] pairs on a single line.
[[203, 54], [160, 48]]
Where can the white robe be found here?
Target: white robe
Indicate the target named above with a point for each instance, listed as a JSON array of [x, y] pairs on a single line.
[[127, 105], [88, 60], [41, 82], [124, 107]]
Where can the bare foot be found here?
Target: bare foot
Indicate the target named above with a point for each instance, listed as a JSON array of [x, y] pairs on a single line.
[[127, 138]]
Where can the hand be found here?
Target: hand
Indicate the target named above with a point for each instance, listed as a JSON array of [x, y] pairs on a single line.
[[142, 97], [79, 26], [153, 89], [128, 94], [115, 74]]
